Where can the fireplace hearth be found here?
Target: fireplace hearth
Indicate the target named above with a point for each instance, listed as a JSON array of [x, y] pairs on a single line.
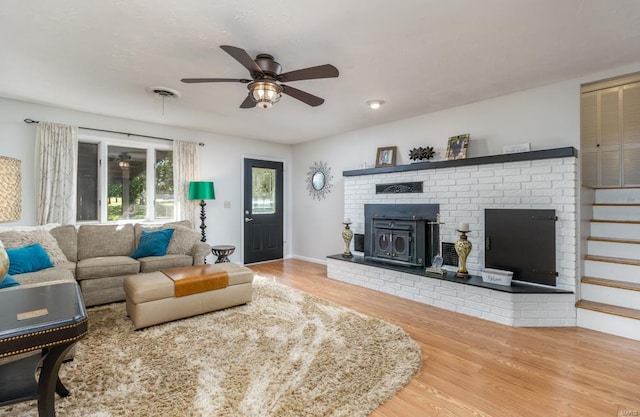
[[403, 234]]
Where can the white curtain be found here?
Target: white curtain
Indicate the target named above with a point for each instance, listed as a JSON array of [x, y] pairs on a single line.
[[186, 168], [55, 173]]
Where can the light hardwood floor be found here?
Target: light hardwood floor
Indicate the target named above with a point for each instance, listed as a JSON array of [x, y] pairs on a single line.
[[473, 367]]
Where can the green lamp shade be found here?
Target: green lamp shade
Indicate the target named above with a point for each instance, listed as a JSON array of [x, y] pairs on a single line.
[[201, 190]]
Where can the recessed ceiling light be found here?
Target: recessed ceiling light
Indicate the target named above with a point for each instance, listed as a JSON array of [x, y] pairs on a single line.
[[375, 104]]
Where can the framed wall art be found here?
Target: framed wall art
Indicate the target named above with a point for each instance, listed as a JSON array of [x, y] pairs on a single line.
[[457, 147], [386, 157]]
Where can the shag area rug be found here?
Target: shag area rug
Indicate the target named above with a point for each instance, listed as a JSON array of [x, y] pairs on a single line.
[[286, 353]]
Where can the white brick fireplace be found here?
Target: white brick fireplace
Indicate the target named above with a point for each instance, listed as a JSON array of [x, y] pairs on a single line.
[[464, 189]]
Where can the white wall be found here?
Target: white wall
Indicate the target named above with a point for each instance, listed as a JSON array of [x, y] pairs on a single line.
[[546, 117], [221, 163]]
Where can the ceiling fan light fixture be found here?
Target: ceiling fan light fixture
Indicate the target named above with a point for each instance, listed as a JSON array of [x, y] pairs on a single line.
[[265, 93], [375, 104], [123, 161], [266, 75]]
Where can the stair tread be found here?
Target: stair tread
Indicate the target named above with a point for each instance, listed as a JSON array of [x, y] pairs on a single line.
[[624, 285], [631, 313], [611, 259], [614, 240], [616, 187], [616, 221], [617, 204]]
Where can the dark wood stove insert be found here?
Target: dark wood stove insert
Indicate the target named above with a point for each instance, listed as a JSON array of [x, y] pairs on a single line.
[[403, 234]]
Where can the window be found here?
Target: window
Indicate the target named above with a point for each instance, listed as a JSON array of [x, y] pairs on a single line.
[[87, 182], [124, 180], [126, 183], [263, 199], [164, 185]]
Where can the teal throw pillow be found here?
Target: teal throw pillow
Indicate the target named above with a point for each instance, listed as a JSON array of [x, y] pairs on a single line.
[[30, 258], [153, 243], [8, 281]]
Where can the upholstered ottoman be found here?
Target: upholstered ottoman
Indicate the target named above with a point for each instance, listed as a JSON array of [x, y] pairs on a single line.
[[151, 297]]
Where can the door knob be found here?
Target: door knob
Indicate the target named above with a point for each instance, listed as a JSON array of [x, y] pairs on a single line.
[[248, 219]]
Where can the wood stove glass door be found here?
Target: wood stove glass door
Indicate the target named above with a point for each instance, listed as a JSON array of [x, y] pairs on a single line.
[[393, 244]]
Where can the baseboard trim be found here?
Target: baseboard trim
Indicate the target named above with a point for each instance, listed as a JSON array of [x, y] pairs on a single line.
[[314, 260]]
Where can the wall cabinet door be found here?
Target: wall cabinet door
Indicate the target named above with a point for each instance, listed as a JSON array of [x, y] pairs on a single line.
[[631, 134], [610, 136]]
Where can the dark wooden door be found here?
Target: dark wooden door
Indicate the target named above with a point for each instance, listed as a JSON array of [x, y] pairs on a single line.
[[263, 210]]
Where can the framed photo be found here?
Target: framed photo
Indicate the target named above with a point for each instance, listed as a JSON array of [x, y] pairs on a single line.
[[457, 147], [386, 157]]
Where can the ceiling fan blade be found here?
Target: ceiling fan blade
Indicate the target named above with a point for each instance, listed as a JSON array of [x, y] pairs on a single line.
[[321, 71], [215, 80], [303, 96], [248, 103], [242, 57]]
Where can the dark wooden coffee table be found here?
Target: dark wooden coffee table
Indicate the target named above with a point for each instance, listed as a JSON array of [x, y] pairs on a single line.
[[49, 318]]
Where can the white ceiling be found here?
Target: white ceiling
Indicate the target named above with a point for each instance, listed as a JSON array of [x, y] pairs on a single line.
[[419, 56]]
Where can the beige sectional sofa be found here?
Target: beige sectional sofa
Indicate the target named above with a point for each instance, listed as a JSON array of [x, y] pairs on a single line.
[[99, 256]]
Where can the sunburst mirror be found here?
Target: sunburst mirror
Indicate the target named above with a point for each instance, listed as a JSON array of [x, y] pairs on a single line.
[[319, 180]]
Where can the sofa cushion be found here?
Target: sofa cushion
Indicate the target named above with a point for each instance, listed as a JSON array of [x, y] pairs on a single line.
[[106, 266], [8, 281], [153, 243], [95, 240], [156, 263], [67, 238], [139, 227], [19, 239], [31, 258], [183, 240], [57, 273], [70, 266]]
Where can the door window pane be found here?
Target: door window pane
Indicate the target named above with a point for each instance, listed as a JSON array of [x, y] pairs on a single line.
[[164, 185], [87, 188], [126, 183], [263, 190]]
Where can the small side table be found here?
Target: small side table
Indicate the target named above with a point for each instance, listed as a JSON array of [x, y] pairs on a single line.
[[48, 318], [222, 252]]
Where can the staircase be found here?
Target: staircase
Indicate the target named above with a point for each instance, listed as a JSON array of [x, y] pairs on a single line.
[[610, 287]]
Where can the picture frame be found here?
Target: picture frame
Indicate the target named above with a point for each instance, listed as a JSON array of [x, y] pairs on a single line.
[[457, 147], [386, 156]]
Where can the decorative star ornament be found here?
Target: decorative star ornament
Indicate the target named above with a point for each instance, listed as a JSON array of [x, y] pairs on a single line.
[[418, 154]]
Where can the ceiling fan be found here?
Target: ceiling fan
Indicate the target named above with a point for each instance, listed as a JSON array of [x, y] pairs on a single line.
[[265, 86]]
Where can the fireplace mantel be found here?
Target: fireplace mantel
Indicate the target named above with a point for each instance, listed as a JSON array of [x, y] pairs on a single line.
[[481, 160]]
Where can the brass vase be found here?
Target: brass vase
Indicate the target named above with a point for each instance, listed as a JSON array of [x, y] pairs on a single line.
[[347, 235], [463, 249]]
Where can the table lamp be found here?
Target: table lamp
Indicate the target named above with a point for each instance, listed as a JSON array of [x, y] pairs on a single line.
[[202, 190], [10, 201]]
